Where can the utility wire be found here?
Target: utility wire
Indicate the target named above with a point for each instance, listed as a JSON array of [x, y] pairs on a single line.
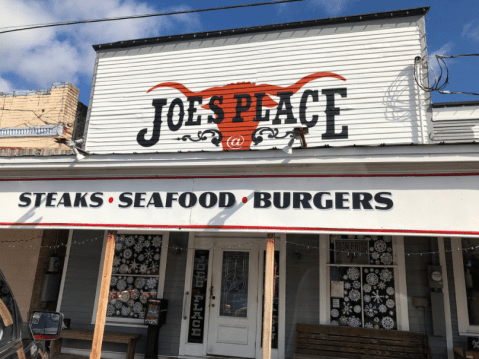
[[5, 30], [437, 86]]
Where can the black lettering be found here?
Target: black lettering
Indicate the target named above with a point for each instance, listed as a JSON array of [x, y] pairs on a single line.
[[140, 138], [96, 198], [303, 107], [170, 198], [24, 197], [277, 200], [262, 200], [318, 202], [50, 199], [301, 199], [362, 199], [240, 107], [259, 108], [38, 199], [285, 101], [80, 200], [191, 201], [332, 111], [218, 111], [155, 200], [192, 110], [227, 199], [341, 202], [125, 199], [172, 126], [381, 199], [212, 200], [139, 197], [65, 200]]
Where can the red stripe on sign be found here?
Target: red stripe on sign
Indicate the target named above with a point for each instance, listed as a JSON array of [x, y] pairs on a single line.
[[316, 229], [245, 176]]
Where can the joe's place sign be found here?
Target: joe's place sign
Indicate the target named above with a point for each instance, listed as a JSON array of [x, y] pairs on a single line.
[[239, 108]]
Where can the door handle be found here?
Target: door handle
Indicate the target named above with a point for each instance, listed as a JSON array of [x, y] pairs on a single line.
[[185, 299]]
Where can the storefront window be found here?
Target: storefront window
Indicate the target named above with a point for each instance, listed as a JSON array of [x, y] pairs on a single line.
[[362, 291], [471, 274], [135, 275]]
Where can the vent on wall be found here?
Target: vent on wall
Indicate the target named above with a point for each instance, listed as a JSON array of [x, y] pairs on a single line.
[[455, 122]]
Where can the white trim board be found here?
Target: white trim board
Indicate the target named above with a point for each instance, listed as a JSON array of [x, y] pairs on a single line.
[[447, 304], [65, 270], [460, 289]]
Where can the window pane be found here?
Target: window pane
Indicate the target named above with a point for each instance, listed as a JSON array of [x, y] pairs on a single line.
[[135, 275], [346, 303], [471, 272], [234, 284], [361, 249], [379, 298]]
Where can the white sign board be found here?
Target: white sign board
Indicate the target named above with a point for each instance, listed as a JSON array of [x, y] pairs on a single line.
[[442, 204], [348, 89]]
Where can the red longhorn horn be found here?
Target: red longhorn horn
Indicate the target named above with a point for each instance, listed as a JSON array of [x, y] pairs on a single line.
[[273, 90], [186, 91]]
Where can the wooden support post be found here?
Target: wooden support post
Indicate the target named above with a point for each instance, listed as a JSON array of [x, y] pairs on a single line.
[[103, 299], [268, 296]]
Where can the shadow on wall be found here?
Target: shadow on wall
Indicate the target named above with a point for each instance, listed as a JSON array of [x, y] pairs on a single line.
[[401, 102]]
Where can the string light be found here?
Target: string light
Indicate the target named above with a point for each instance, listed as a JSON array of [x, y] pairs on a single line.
[[307, 246]]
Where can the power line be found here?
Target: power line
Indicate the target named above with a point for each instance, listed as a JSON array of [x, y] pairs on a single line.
[[5, 30], [437, 86]]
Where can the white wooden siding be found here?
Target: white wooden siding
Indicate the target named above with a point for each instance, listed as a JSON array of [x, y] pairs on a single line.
[[381, 107], [456, 124]]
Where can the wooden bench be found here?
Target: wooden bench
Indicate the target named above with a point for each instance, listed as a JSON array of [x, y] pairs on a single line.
[[325, 341], [108, 337], [465, 353]]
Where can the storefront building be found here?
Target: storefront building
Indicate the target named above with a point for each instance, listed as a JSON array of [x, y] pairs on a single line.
[[200, 145]]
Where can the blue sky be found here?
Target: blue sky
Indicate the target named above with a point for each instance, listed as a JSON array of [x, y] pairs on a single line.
[[34, 59]]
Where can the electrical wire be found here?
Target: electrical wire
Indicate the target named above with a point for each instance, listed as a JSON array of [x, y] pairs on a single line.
[[437, 86], [6, 30]]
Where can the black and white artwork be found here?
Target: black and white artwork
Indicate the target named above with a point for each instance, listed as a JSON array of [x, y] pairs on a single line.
[[369, 299], [134, 275]]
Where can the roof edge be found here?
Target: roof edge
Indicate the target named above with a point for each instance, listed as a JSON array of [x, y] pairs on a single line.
[[455, 104], [263, 28]]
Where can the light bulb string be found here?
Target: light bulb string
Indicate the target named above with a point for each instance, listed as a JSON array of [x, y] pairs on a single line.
[[228, 246]]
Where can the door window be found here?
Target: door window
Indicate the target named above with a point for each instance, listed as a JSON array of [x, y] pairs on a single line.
[[234, 284]]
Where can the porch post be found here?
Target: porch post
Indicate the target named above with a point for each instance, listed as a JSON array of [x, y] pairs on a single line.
[[268, 296], [103, 299]]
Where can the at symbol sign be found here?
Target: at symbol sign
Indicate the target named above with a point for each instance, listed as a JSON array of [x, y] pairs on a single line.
[[235, 142]]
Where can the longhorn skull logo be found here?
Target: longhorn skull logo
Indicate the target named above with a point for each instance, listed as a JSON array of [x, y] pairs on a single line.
[[238, 106]]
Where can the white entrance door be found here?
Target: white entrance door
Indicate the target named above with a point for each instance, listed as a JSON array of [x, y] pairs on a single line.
[[233, 300]]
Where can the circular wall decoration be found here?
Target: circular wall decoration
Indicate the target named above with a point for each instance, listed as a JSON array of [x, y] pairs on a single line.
[[354, 322], [357, 309], [390, 290], [335, 313], [367, 288], [390, 303], [354, 295], [386, 258], [380, 246], [386, 275], [121, 285], [372, 279], [382, 308], [353, 273], [387, 323]]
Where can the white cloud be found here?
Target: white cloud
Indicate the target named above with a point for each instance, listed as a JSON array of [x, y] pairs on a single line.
[[444, 50], [43, 56], [5, 86], [332, 7], [471, 31]]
